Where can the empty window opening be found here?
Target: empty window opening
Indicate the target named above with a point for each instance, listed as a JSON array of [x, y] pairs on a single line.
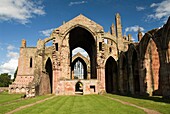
[[100, 46], [92, 88], [31, 62], [105, 41], [78, 70], [56, 46], [110, 49]]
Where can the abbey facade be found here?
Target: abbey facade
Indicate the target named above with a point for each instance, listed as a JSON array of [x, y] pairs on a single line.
[[115, 64]]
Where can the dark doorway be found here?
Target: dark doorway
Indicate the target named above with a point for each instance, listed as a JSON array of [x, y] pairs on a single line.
[[79, 87], [136, 80], [111, 78], [49, 70]]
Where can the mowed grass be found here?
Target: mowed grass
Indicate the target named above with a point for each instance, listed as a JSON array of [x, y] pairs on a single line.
[[87, 104], [5, 97], [10, 102], [154, 103]]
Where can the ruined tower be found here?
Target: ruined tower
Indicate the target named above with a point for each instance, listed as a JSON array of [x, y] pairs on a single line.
[[112, 30], [118, 26]]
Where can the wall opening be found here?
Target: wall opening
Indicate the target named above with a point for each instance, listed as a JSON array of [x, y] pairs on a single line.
[[79, 87], [49, 70], [31, 62], [80, 37], [111, 76]]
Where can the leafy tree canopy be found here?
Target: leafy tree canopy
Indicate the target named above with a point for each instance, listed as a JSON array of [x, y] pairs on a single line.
[[5, 80]]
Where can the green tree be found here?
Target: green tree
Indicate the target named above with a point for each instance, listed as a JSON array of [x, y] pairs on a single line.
[[5, 80]]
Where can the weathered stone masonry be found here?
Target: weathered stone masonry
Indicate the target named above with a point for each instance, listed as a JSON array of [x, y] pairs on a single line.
[[115, 64]]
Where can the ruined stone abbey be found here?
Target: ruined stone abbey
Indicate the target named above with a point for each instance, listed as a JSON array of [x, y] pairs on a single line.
[[115, 64]]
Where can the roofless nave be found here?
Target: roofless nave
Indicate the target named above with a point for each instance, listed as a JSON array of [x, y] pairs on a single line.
[[115, 63]]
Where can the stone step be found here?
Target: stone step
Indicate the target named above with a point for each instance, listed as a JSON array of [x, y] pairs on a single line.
[[78, 93]]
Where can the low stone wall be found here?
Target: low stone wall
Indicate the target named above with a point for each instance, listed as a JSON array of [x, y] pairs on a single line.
[[67, 87], [3, 89]]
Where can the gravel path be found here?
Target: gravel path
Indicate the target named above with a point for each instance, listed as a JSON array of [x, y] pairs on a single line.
[[26, 106]]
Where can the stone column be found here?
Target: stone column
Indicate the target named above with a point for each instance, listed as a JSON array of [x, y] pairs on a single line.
[[131, 85], [101, 78]]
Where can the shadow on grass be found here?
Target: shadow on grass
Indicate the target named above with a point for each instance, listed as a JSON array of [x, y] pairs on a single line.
[[153, 98]]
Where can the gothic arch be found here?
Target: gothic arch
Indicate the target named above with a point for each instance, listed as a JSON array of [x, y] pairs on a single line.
[[49, 71], [84, 66], [151, 63], [80, 37], [132, 60]]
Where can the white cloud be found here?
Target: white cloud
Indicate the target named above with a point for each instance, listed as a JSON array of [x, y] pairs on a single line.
[[161, 10], [12, 54], [47, 32], [140, 8], [77, 3], [134, 28], [10, 65], [19, 10], [10, 47], [79, 50]]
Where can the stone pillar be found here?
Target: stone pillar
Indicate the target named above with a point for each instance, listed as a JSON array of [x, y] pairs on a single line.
[[120, 77], [140, 36], [131, 83], [142, 73], [23, 43], [118, 26], [112, 30], [101, 78], [130, 37]]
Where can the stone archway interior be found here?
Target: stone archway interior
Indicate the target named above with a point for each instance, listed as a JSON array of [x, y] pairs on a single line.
[[136, 79], [49, 70], [125, 75], [111, 80], [80, 37]]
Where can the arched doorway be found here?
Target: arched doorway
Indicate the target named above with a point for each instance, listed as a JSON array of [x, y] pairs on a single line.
[[80, 37], [136, 79], [80, 69], [49, 70], [79, 88], [111, 78]]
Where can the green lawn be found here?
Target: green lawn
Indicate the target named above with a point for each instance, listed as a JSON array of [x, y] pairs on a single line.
[[87, 104], [5, 97], [155, 103], [9, 103]]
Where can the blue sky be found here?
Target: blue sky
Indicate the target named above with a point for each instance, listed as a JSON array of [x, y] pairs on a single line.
[[34, 19]]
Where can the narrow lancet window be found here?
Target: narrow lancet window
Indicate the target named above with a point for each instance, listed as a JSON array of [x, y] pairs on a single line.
[[31, 62], [56, 46], [100, 46]]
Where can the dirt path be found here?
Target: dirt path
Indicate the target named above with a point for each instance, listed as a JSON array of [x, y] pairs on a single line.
[[26, 106], [148, 111]]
